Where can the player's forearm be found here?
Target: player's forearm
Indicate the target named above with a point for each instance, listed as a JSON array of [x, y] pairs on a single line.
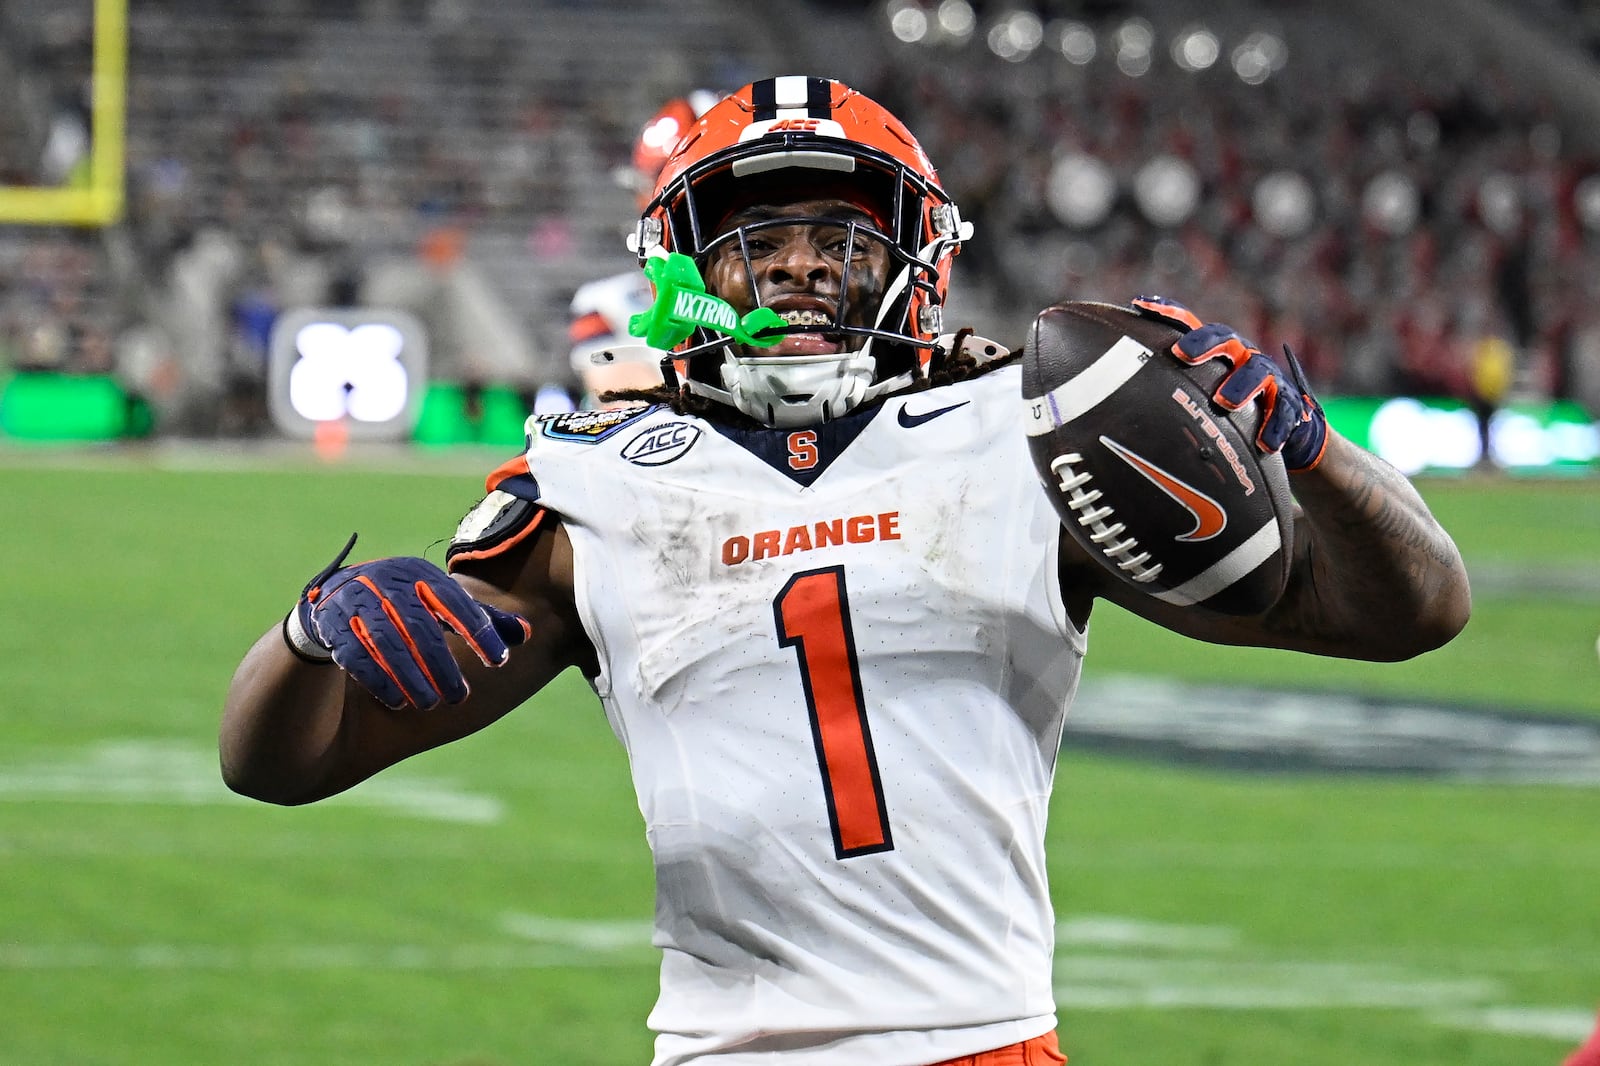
[[1384, 577], [280, 725]]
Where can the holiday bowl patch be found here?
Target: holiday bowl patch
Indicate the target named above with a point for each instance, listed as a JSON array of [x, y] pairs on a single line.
[[589, 427]]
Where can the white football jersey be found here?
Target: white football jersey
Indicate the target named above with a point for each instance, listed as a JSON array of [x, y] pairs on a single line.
[[839, 662]]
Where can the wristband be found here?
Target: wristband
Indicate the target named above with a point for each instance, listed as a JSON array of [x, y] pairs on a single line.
[[305, 647]]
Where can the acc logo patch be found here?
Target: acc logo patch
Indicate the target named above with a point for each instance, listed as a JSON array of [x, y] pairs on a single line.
[[589, 427], [660, 445]]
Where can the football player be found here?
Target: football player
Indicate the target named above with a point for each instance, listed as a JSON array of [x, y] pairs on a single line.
[[826, 606], [603, 354]]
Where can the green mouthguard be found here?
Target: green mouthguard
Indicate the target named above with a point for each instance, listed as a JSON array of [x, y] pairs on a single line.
[[682, 304]]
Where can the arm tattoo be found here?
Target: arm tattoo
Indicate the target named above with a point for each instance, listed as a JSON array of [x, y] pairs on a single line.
[[1378, 509], [1370, 560]]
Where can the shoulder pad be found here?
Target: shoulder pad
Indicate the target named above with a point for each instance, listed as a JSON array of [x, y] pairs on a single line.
[[586, 427], [494, 524]]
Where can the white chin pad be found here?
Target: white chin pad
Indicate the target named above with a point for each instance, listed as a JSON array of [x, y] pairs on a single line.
[[798, 390]]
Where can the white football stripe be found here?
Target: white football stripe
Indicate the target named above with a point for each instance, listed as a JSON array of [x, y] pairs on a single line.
[[1230, 568], [1078, 394]]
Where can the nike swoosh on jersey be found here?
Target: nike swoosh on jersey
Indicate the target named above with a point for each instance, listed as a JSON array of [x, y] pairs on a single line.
[[1209, 517], [910, 421]]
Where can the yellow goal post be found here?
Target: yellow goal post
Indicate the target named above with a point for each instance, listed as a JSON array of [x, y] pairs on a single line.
[[99, 203]]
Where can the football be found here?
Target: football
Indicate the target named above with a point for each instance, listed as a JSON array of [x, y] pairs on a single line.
[[1163, 487]]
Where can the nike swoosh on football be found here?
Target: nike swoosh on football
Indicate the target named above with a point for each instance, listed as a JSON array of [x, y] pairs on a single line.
[[1209, 517], [909, 420]]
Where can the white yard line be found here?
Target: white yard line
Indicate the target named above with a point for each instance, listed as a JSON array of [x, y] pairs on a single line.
[[166, 772], [1570, 1026]]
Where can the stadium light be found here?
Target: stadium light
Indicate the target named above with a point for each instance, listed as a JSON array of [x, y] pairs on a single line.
[[1081, 190], [1075, 41], [1259, 56], [1196, 48], [1167, 189], [1500, 203], [1135, 43], [1283, 203], [956, 20], [1586, 201], [1422, 129], [907, 21], [1391, 203], [1016, 35]]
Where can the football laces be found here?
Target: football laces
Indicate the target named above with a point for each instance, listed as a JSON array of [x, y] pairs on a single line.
[[1108, 537]]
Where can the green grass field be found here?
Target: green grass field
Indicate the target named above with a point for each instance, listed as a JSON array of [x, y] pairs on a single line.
[[488, 904]]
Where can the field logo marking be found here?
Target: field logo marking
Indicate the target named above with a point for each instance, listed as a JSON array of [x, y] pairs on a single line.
[[1243, 728]]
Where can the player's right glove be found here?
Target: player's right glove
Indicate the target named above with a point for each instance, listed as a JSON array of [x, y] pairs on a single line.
[[1292, 420], [383, 622]]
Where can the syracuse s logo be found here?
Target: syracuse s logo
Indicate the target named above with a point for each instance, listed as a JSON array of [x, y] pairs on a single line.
[[1209, 517]]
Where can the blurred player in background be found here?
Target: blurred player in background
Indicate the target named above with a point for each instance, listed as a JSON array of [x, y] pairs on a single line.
[[826, 607], [601, 309]]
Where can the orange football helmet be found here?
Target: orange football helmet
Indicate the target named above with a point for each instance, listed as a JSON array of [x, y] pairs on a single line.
[[811, 134], [660, 135]]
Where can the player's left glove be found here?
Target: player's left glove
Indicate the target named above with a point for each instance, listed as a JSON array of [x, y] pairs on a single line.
[[1292, 420], [383, 622]]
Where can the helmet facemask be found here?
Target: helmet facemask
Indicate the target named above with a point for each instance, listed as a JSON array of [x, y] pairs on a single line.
[[857, 357]]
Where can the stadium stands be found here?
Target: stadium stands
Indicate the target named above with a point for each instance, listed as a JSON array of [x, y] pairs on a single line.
[[1438, 197], [1388, 216]]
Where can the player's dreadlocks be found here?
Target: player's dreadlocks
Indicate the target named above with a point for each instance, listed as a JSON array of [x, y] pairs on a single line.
[[967, 358]]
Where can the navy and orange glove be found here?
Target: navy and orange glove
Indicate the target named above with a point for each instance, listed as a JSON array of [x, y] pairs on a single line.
[[383, 622], [1292, 421]]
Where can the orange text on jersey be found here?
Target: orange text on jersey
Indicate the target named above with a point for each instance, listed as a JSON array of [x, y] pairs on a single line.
[[772, 543]]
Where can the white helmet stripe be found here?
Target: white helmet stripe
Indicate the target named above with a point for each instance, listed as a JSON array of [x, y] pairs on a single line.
[[791, 96]]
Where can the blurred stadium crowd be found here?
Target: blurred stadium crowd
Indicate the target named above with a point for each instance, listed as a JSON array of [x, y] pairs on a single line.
[[1409, 220]]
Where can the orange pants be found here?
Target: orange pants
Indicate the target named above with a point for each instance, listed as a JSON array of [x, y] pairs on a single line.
[[1040, 1051]]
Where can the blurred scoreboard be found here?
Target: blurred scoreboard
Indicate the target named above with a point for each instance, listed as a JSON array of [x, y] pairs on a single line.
[[361, 369]]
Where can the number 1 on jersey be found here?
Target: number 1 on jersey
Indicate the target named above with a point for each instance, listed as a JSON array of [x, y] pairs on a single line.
[[813, 616]]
